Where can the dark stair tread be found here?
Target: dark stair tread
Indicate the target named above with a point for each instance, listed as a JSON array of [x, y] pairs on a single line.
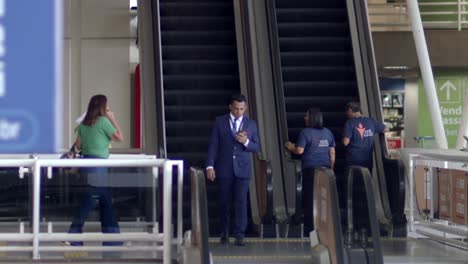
[[310, 4], [195, 93], [172, 67], [311, 14], [180, 9], [191, 77], [313, 29]]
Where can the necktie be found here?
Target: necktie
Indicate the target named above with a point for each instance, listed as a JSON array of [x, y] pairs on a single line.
[[234, 126]]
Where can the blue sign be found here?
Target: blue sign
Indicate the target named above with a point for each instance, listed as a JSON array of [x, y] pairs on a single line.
[[30, 75], [392, 84]]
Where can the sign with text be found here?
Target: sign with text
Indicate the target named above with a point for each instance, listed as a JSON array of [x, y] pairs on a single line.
[[30, 75], [451, 86]]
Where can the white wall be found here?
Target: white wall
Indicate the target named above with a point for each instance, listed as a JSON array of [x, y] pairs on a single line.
[[96, 60], [447, 48]]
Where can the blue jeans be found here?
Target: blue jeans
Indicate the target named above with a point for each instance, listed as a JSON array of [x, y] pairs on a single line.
[[108, 219]]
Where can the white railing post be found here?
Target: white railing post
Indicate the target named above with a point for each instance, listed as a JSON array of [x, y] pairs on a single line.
[[411, 193], [180, 187], [427, 75], [167, 212], [36, 206], [154, 181]]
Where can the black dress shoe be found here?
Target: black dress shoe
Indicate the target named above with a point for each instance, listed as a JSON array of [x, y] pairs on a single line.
[[239, 242], [223, 240]]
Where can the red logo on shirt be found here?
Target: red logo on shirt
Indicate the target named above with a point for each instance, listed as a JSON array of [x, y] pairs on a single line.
[[361, 129]]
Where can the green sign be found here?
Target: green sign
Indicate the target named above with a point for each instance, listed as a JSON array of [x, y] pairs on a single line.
[[451, 87]]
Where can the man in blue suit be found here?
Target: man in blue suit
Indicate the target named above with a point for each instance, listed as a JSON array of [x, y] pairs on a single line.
[[233, 138]]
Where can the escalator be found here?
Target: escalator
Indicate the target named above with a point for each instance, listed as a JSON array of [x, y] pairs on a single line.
[[315, 66], [319, 63], [200, 72]]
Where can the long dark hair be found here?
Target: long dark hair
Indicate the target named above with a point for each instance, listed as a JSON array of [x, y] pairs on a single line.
[[96, 107], [315, 118]]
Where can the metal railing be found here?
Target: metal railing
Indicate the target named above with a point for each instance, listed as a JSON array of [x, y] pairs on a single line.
[[428, 221], [40, 162], [435, 15]]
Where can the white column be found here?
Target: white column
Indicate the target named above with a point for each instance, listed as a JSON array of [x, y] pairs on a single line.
[[463, 130], [36, 207], [167, 212], [426, 71]]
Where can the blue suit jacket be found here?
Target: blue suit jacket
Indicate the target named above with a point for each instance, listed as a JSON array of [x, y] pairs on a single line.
[[229, 157]]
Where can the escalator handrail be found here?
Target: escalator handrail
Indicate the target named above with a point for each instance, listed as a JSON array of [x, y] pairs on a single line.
[[370, 76], [338, 234], [299, 189], [264, 163], [199, 204], [278, 86], [298, 176], [276, 65], [268, 173], [159, 83], [354, 171]]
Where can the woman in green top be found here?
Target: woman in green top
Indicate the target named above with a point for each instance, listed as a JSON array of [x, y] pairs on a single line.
[[95, 133]]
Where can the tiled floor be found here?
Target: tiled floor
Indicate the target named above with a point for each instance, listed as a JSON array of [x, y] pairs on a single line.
[[405, 250]]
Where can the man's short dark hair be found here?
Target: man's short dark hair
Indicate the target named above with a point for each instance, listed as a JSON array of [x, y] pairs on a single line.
[[354, 106], [238, 98]]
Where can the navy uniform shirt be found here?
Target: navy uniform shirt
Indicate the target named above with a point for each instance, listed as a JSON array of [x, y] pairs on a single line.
[[316, 143], [361, 131]]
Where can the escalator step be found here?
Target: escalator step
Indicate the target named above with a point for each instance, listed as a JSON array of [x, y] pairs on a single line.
[[194, 113], [226, 82], [218, 8], [204, 52], [315, 44], [183, 144], [326, 104], [320, 88], [186, 23], [214, 37], [329, 118], [310, 4], [313, 29], [311, 15], [191, 1], [189, 128], [193, 98], [317, 58], [203, 67], [318, 73]]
